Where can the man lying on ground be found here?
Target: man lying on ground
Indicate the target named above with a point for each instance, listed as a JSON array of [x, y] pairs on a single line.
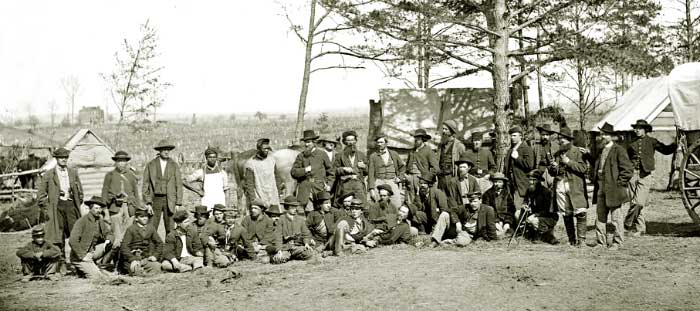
[[394, 230]]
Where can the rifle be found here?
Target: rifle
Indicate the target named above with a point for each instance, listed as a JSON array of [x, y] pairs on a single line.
[[523, 216]]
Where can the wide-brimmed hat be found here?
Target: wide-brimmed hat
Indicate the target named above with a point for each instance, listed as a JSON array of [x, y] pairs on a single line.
[[61, 153], [643, 124], [428, 178], [121, 155], [607, 128], [515, 129], [327, 139], [164, 144], [95, 200], [386, 188], [451, 124], [259, 203], [309, 135], [200, 210], [547, 128], [291, 201], [345, 195], [536, 174], [477, 136], [464, 158], [348, 133], [422, 133], [221, 208], [356, 204], [322, 196], [498, 176], [566, 132], [38, 231], [379, 135], [274, 210]]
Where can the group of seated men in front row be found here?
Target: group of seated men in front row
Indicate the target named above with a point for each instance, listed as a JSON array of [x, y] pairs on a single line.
[[346, 202]]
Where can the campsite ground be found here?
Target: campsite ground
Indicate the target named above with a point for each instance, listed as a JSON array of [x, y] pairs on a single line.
[[659, 271]]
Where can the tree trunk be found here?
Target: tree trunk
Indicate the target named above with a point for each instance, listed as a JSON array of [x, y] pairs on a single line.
[[523, 81], [689, 30], [539, 75], [501, 97], [307, 73], [581, 93]]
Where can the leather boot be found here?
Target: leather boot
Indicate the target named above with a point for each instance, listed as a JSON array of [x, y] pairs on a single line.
[[581, 228], [548, 237], [570, 229]]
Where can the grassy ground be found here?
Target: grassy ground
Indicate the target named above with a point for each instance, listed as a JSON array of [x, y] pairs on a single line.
[[659, 271]]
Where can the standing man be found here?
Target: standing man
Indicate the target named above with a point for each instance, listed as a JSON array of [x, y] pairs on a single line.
[[328, 145], [261, 181], [569, 171], [613, 172], [38, 258], [484, 162], [519, 162], [385, 168], [162, 186], [350, 168], [214, 181], [60, 194], [422, 161], [641, 153], [543, 151], [120, 193], [312, 169], [451, 149]]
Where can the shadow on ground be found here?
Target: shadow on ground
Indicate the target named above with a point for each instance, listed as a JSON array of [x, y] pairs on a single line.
[[673, 229]]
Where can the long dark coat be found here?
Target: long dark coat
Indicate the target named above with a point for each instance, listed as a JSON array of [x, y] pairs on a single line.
[[47, 197], [616, 174], [517, 169]]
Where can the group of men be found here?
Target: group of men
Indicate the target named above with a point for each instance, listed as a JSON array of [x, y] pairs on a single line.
[[346, 201]]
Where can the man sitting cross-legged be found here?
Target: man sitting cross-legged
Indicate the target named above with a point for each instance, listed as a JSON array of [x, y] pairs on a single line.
[[235, 245], [39, 258], [481, 219], [292, 230], [209, 233], [182, 250], [141, 246], [351, 232], [321, 221]]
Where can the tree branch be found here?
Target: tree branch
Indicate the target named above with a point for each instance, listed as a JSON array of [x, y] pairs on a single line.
[[294, 28], [466, 61], [555, 9], [337, 67]]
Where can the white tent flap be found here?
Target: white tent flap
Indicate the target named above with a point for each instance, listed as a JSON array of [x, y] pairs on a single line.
[[684, 91]]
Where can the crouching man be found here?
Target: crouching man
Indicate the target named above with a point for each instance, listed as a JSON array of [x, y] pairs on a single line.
[[351, 232], [141, 246], [182, 250], [321, 221], [39, 259], [90, 240], [292, 230], [543, 216]]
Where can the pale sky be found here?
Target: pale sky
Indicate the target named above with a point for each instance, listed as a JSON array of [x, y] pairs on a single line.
[[221, 56]]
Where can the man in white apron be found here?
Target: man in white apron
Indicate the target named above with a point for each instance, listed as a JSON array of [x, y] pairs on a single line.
[[213, 179]]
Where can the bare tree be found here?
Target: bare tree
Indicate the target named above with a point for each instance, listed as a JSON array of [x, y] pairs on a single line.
[[52, 111], [686, 30], [135, 86], [71, 86]]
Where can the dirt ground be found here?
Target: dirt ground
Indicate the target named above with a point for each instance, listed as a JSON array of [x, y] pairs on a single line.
[[659, 271]]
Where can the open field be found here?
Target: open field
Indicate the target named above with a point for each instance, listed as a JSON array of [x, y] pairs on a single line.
[[660, 271]]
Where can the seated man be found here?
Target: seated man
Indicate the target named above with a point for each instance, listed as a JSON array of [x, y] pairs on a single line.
[[342, 209], [351, 232], [38, 258], [321, 221], [235, 244], [502, 201], [442, 218], [481, 219], [260, 232], [209, 233], [378, 210], [90, 240], [141, 247], [395, 229], [182, 250], [543, 216], [292, 230]]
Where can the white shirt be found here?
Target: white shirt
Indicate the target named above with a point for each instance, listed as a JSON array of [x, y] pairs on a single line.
[[163, 164], [184, 253]]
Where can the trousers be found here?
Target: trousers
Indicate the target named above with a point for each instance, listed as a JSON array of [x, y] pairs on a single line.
[[160, 207], [602, 212], [639, 193]]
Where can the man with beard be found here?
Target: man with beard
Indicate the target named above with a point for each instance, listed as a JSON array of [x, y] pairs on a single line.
[[543, 213], [294, 234], [38, 258], [422, 161], [641, 153], [385, 168], [321, 221], [328, 146], [312, 169], [518, 163], [501, 200], [451, 149], [120, 192], [613, 171], [440, 217], [213, 179], [484, 163], [342, 209], [378, 210], [350, 168], [351, 232], [569, 172], [162, 186], [261, 181], [460, 187], [543, 151], [260, 232]]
